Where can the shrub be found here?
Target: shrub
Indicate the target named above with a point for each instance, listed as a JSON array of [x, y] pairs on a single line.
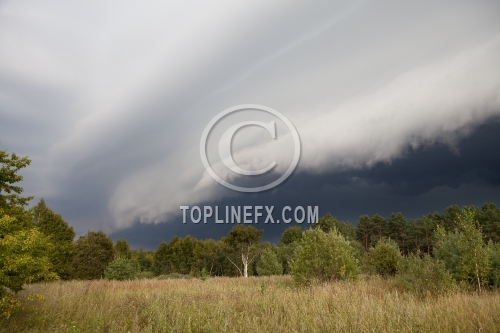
[[121, 269], [8, 303], [269, 264], [145, 275], [324, 256], [384, 258], [423, 276]]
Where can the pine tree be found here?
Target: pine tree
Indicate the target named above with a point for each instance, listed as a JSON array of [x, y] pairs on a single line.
[[427, 227], [397, 229], [379, 225], [489, 219], [364, 231]]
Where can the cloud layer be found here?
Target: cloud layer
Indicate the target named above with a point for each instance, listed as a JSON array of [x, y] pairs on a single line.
[[110, 100]]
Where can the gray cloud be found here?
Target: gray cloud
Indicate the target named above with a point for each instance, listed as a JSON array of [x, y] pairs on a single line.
[[110, 99]]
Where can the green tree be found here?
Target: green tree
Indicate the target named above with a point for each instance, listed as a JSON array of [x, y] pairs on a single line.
[[494, 255], [397, 229], [182, 255], [122, 249], [121, 269], [287, 255], [94, 251], [385, 258], [364, 231], [463, 250], [23, 255], [11, 201], [209, 256], [427, 227], [450, 220], [268, 263], [379, 225], [23, 249], [286, 246], [161, 260], [290, 235], [423, 276], [144, 260], [489, 219], [329, 222], [324, 256], [243, 241], [60, 234]]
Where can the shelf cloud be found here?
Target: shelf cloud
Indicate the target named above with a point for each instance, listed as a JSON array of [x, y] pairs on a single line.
[[110, 99]]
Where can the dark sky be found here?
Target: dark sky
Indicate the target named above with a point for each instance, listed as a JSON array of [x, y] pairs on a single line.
[[396, 105], [424, 180]]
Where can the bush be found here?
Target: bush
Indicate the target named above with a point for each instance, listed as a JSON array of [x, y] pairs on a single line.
[[145, 275], [121, 269], [384, 258], [269, 264], [423, 276], [324, 256], [9, 304]]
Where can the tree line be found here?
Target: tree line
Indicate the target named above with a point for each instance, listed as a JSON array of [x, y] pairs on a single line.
[[460, 245]]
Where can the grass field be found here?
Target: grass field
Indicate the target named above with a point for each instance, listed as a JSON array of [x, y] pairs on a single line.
[[248, 305]]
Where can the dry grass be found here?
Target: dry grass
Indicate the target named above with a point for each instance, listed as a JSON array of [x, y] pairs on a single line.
[[249, 305]]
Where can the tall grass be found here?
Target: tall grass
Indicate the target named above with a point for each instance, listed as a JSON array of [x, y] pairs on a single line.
[[249, 305]]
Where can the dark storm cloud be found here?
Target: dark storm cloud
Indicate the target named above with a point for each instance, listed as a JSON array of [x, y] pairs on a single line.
[[425, 180], [110, 99], [474, 159]]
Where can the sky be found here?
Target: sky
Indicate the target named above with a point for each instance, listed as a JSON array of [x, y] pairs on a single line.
[[396, 104]]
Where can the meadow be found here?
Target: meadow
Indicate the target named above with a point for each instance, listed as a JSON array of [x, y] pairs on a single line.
[[254, 304]]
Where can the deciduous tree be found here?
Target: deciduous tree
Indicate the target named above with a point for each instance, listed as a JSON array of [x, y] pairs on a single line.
[[94, 251], [324, 256], [243, 241], [60, 234], [122, 249], [463, 251], [268, 263], [385, 258], [23, 248]]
